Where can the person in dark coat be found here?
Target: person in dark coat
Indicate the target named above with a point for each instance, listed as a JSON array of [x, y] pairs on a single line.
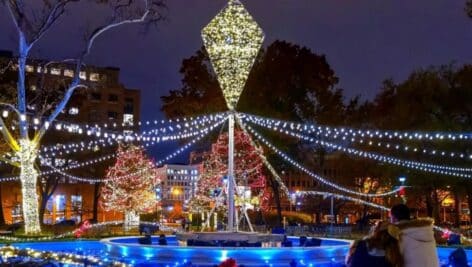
[[379, 249]]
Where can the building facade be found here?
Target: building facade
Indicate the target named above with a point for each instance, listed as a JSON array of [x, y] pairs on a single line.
[[178, 183]]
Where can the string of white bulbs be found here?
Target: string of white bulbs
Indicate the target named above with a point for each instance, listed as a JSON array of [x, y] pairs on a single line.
[[158, 163], [96, 145], [107, 157], [361, 140], [441, 169], [312, 174], [372, 133]]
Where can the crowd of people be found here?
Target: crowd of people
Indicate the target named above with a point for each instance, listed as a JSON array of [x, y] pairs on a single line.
[[402, 242]]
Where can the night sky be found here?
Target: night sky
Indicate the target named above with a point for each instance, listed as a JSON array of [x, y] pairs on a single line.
[[365, 41]]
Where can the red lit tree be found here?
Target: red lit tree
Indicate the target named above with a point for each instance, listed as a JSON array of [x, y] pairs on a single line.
[[129, 185], [248, 171]]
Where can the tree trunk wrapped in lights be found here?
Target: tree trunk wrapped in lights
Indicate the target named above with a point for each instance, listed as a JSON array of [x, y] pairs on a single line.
[[248, 172], [29, 176], [129, 186]]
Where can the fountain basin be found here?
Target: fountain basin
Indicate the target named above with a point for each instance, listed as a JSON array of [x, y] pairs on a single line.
[[330, 252]]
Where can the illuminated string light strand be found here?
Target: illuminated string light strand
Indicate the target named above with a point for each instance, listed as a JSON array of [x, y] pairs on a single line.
[[71, 233], [342, 197], [66, 259], [104, 130], [372, 133], [167, 158], [398, 147], [111, 156], [312, 174], [269, 166], [441, 169], [102, 143], [367, 203]]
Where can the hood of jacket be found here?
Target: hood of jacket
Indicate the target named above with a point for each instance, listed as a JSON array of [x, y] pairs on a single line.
[[420, 230]]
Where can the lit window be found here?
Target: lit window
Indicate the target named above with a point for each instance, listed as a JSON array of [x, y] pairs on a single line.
[[68, 73], [55, 71], [73, 111], [39, 69], [17, 213], [83, 75], [94, 77], [29, 68], [128, 119]]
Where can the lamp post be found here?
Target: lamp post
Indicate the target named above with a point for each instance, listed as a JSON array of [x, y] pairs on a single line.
[[157, 191], [293, 197], [402, 180], [232, 40]]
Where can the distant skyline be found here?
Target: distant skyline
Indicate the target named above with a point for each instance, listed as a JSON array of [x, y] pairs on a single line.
[[365, 41]]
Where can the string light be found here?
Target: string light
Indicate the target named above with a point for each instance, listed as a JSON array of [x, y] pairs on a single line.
[[264, 160], [92, 226], [367, 203], [372, 133], [441, 169], [95, 145], [62, 170], [27, 156], [342, 197], [142, 170], [129, 134], [232, 40], [315, 176], [67, 259], [398, 147]]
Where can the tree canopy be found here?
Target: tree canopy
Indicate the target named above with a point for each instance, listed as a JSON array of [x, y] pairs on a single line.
[[287, 82]]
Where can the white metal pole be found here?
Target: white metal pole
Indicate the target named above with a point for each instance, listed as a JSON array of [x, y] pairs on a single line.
[[231, 173]]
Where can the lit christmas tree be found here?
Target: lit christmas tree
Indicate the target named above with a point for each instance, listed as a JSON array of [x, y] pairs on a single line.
[[248, 172], [129, 185]]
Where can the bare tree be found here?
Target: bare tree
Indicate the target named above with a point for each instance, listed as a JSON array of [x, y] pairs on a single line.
[[32, 21]]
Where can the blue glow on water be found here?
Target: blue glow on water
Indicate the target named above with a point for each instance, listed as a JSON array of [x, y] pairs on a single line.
[[171, 255], [224, 255]]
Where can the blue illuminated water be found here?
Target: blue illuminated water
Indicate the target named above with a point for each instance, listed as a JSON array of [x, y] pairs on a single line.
[[174, 256]]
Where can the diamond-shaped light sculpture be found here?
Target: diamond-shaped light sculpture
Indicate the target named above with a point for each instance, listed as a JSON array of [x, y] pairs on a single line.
[[232, 40]]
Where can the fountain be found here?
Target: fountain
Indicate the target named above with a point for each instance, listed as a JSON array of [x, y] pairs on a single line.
[[232, 40]]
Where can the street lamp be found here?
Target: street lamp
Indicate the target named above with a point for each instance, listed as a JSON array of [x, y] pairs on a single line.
[[402, 180], [158, 192], [293, 198]]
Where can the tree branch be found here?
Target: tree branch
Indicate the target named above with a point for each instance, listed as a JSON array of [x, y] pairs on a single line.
[[11, 107], [8, 5], [54, 14], [9, 161], [3, 70], [12, 143], [103, 29]]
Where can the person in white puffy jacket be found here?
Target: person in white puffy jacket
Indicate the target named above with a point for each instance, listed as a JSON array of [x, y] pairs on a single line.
[[417, 243]]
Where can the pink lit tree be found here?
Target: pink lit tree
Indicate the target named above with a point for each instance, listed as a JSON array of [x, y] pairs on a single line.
[[248, 171]]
